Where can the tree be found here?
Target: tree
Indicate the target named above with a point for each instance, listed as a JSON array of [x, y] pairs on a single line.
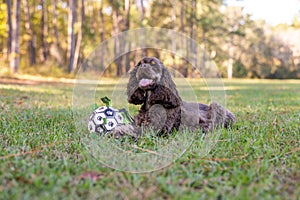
[[31, 37], [101, 22], [15, 40], [126, 28], [102, 32], [44, 32], [142, 18], [224, 32], [193, 35], [211, 32], [9, 24], [79, 34], [234, 16], [116, 31], [58, 49], [184, 70], [71, 34]]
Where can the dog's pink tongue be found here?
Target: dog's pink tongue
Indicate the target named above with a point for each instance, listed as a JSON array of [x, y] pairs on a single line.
[[145, 82]]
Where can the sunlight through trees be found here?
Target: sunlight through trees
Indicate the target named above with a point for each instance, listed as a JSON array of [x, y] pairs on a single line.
[[59, 34]]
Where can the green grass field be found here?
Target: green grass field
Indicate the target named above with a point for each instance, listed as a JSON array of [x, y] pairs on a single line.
[[42, 157]]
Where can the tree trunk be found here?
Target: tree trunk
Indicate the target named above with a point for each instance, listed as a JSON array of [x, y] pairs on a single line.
[[79, 34], [182, 16], [102, 36], [117, 44], [231, 55], [126, 28], [71, 34], [9, 23], [31, 41], [142, 17], [183, 68], [56, 33], [204, 70], [127, 15], [101, 22], [142, 11], [174, 47], [230, 67], [44, 26], [193, 36], [230, 60], [15, 42]]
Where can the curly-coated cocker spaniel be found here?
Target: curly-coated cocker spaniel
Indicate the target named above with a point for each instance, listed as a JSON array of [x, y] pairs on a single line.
[[163, 110]]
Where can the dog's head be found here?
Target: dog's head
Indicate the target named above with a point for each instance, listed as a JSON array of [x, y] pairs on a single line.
[[149, 72]]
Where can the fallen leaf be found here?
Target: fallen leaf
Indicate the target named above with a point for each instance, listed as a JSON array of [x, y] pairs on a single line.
[[93, 176], [24, 97], [275, 122]]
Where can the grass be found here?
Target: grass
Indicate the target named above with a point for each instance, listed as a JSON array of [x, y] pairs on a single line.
[[43, 157]]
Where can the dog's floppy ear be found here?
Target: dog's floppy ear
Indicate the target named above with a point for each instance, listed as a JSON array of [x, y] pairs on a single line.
[[167, 81], [135, 95]]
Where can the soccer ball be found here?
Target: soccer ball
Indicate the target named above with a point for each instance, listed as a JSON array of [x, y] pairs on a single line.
[[105, 119]]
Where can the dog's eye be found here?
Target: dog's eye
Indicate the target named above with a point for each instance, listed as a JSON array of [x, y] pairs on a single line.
[[156, 68], [152, 62]]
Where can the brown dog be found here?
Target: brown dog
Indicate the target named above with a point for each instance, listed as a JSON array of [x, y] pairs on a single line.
[[162, 110]]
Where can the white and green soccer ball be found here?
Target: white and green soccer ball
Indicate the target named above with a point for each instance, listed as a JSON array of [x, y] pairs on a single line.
[[104, 119]]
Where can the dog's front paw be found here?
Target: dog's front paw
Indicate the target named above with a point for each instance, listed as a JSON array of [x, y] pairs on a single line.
[[230, 119], [123, 130]]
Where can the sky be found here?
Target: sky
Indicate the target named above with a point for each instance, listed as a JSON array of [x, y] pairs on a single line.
[[272, 11]]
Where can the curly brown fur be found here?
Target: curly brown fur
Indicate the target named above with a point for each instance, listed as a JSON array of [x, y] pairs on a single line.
[[135, 94], [162, 110]]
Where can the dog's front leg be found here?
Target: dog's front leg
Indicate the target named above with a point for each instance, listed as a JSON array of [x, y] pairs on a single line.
[[126, 129]]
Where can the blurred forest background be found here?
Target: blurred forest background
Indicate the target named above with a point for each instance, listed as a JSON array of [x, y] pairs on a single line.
[[53, 37]]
